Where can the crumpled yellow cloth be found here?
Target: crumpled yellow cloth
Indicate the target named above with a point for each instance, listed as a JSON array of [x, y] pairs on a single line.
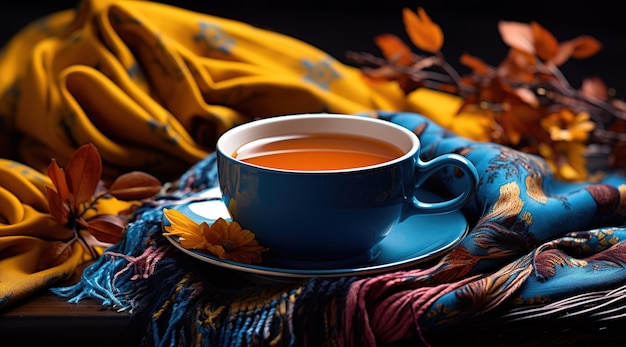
[[152, 87]]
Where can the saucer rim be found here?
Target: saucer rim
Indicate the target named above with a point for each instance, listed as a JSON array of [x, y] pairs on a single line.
[[285, 272]]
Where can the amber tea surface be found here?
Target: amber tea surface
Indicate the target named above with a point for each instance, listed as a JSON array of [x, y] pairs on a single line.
[[317, 152]]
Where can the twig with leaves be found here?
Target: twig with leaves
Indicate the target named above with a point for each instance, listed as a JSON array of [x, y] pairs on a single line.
[[527, 101], [78, 190]]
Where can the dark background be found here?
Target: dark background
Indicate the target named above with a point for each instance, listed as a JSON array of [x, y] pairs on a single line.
[[338, 26]]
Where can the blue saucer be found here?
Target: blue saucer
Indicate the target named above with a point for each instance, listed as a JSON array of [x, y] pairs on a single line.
[[403, 247]]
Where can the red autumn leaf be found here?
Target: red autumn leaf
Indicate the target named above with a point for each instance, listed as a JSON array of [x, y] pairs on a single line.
[[422, 31], [57, 207], [135, 185], [394, 49], [57, 175], [83, 172], [106, 228]]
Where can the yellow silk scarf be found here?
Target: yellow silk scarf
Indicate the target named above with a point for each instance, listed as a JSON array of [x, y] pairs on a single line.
[[152, 87]]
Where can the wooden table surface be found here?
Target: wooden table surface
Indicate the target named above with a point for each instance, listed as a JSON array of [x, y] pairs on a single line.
[[49, 320]]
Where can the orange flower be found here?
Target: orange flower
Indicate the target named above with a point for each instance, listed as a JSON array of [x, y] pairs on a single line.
[[565, 159], [224, 239], [567, 126], [568, 133]]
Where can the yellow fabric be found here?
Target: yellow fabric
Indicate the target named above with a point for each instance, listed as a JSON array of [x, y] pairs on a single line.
[[29, 235], [27, 232], [442, 108], [152, 87]]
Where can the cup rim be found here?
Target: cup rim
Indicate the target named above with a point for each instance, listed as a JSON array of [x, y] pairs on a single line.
[[237, 130]]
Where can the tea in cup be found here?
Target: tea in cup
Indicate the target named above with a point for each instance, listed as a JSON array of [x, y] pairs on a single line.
[[324, 189]]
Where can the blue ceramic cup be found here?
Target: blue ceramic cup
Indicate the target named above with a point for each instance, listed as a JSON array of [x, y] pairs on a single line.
[[320, 219]]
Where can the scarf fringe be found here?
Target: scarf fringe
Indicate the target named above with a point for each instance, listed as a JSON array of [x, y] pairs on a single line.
[[107, 279]]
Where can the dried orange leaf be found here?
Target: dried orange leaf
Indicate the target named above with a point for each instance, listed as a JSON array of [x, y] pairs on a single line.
[[517, 35], [394, 49], [563, 54], [389, 73], [476, 64], [585, 47], [518, 66], [594, 87], [422, 31], [57, 175], [106, 228], [57, 209], [135, 185], [528, 96], [546, 45], [383, 73], [83, 173], [579, 48]]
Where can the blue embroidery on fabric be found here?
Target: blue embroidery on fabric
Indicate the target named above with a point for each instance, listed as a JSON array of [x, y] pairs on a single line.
[[134, 71], [320, 73], [215, 37], [164, 131]]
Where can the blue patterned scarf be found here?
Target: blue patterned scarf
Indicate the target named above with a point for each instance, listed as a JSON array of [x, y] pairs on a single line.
[[533, 240]]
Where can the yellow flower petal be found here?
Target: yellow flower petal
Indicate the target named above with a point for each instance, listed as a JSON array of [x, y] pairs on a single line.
[[568, 172], [216, 250], [226, 240], [188, 231], [179, 222]]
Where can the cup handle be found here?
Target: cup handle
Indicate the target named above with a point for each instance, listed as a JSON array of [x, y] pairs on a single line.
[[425, 169]]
